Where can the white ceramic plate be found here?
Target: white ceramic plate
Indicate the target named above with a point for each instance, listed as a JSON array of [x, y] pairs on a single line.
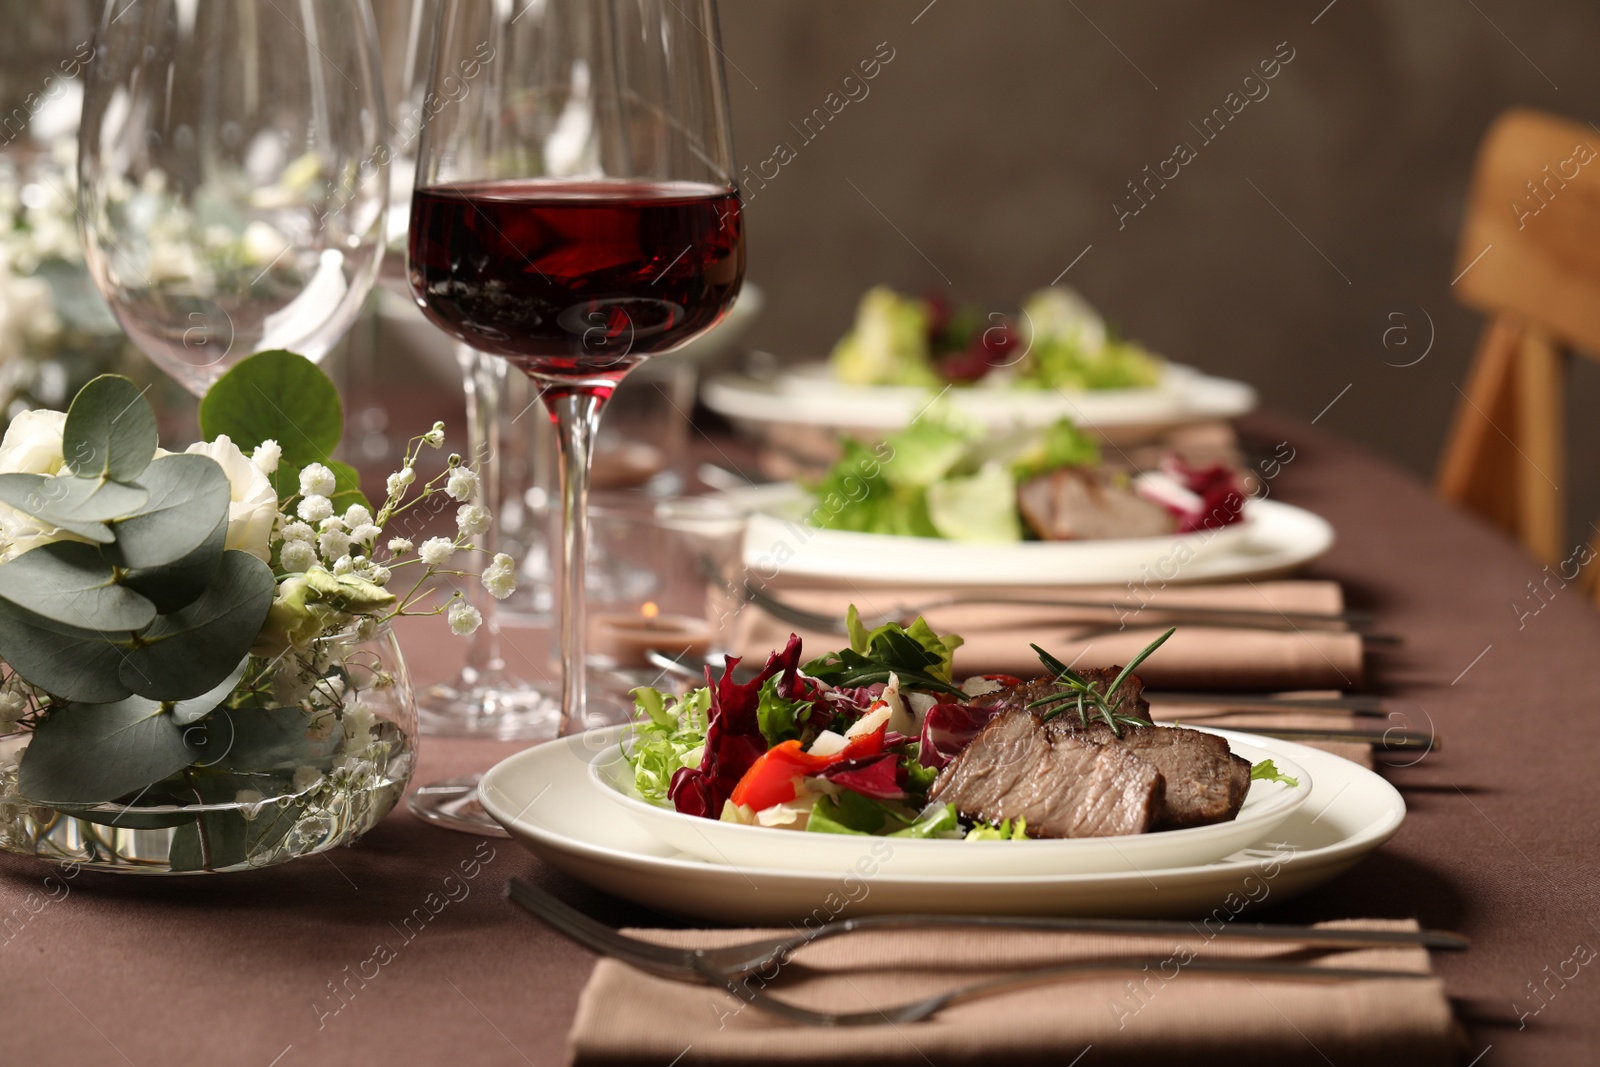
[[1273, 539], [808, 395], [1267, 805], [547, 800]]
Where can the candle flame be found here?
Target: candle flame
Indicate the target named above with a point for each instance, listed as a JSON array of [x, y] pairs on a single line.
[[650, 610]]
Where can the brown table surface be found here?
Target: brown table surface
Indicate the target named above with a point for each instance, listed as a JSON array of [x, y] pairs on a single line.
[[1500, 844]]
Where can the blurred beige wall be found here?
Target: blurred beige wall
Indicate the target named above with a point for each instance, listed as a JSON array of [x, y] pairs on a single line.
[[986, 155]]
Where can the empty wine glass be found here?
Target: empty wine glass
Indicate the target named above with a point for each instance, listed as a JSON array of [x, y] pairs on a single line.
[[233, 180], [575, 212]]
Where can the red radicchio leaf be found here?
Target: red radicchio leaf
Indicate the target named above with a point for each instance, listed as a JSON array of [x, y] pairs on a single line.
[[733, 735], [1218, 495], [949, 728], [872, 776]]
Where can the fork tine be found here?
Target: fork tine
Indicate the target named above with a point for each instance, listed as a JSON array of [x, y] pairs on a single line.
[[673, 963]]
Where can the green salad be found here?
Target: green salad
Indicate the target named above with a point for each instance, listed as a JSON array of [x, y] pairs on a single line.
[[1056, 341], [942, 478], [854, 741]]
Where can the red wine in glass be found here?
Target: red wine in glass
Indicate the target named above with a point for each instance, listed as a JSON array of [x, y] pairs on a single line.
[[575, 280]]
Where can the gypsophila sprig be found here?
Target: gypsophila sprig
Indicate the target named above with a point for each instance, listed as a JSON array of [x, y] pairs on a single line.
[[317, 480], [473, 519], [436, 551], [328, 578], [463, 484], [464, 618], [267, 455]]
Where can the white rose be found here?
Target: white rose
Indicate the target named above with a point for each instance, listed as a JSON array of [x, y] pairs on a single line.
[[32, 443], [253, 505]]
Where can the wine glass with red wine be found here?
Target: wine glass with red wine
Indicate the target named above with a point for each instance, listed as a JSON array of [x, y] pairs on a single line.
[[575, 213]]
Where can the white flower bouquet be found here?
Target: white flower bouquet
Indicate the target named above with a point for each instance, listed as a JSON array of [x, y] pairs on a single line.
[[195, 668]]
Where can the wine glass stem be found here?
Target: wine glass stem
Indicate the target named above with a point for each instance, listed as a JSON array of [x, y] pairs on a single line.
[[482, 377], [577, 417]]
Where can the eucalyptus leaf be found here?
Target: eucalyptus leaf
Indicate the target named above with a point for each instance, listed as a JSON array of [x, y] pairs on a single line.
[[70, 582], [188, 493], [187, 711], [213, 841], [279, 396], [187, 652], [66, 661], [88, 500], [91, 753], [32, 494], [346, 487], [286, 479], [110, 430], [179, 583], [227, 837], [265, 739]]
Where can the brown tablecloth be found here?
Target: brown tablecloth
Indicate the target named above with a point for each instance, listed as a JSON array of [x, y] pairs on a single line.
[[264, 969]]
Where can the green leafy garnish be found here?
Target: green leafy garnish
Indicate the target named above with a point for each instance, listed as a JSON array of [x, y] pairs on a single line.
[[669, 733], [941, 822], [852, 813], [1267, 771], [919, 779], [1063, 445], [1005, 831], [1087, 696], [781, 719], [918, 656], [856, 496]]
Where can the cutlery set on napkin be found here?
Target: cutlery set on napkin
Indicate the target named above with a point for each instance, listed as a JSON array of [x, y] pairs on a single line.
[[942, 989]]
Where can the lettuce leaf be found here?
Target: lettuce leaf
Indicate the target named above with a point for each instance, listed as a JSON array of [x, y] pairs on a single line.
[[925, 452], [852, 813], [1006, 831], [781, 719], [979, 507], [856, 496], [941, 822], [1062, 445], [888, 344], [1267, 771], [669, 734], [921, 658]]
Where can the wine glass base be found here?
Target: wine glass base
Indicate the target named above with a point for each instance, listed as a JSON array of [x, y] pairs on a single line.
[[453, 804], [489, 705]]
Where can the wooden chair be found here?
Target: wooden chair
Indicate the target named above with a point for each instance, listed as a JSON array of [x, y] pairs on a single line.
[[1529, 258]]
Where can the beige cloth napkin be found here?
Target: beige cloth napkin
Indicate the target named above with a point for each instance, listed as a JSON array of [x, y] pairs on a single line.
[[628, 1017], [1196, 657]]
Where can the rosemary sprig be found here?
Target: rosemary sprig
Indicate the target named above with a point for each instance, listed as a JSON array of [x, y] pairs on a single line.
[[1087, 696]]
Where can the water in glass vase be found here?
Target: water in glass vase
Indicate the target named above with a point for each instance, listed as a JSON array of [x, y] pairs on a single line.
[[310, 750]]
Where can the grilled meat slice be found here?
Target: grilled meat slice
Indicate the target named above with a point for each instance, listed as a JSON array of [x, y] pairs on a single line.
[[1073, 503], [1066, 786], [1205, 782]]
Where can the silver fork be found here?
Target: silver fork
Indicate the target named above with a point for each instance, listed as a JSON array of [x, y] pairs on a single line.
[[733, 962], [917, 1010]]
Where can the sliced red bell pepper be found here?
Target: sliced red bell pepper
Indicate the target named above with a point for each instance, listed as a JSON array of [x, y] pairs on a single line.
[[771, 780]]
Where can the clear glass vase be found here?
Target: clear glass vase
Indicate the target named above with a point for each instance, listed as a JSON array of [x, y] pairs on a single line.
[[310, 752]]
